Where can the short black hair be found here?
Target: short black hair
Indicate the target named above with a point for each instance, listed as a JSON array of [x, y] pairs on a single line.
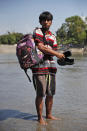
[[45, 16]]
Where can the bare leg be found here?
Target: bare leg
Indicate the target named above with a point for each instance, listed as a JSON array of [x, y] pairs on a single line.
[[49, 103], [39, 108]]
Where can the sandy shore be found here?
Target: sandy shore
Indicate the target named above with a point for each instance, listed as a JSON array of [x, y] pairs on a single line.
[[17, 98], [7, 48], [77, 50]]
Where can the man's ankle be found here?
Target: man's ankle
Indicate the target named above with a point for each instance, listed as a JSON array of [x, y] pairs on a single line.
[[42, 121], [40, 118]]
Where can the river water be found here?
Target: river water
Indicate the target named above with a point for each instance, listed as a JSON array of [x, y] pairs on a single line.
[[17, 96]]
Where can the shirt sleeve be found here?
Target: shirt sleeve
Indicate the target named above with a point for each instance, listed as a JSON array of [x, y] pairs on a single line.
[[55, 45], [38, 37]]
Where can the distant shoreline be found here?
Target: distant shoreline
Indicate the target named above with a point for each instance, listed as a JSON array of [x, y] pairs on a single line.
[[12, 49], [7, 49]]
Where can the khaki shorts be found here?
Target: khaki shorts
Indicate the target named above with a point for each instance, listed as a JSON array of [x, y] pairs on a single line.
[[44, 84]]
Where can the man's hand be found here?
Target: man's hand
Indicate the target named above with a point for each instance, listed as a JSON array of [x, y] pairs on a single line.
[[60, 55]]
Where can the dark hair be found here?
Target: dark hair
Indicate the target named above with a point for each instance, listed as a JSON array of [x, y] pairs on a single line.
[[45, 16]]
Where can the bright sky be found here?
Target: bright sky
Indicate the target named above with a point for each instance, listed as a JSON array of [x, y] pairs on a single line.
[[22, 15]]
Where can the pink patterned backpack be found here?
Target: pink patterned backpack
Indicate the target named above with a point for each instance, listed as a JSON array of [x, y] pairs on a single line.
[[27, 54]]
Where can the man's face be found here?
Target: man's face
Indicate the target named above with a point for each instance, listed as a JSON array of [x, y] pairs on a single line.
[[46, 24]]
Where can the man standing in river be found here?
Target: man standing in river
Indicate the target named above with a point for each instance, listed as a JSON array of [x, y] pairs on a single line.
[[44, 74]]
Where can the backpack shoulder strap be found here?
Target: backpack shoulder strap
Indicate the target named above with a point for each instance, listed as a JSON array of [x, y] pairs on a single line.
[[25, 70], [44, 39]]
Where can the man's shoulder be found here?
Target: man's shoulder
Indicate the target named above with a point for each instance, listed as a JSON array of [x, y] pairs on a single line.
[[52, 36], [38, 31]]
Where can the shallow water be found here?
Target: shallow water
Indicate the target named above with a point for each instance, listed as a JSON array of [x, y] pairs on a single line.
[[17, 95]]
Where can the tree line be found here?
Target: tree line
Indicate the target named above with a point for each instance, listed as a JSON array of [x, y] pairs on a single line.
[[73, 31], [10, 38]]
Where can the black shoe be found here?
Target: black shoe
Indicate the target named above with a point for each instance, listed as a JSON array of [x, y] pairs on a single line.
[[69, 61], [65, 61], [61, 61], [67, 53]]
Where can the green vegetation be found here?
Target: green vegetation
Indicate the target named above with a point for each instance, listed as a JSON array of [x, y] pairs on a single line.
[[10, 38], [73, 31]]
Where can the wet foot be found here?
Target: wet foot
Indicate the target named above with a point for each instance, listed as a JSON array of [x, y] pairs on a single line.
[[42, 121], [52, 118]]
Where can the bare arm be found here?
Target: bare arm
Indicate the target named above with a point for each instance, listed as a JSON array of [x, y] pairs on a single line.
[[48, 50]]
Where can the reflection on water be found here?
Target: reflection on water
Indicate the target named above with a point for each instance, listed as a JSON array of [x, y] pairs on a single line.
[[17, 95]]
